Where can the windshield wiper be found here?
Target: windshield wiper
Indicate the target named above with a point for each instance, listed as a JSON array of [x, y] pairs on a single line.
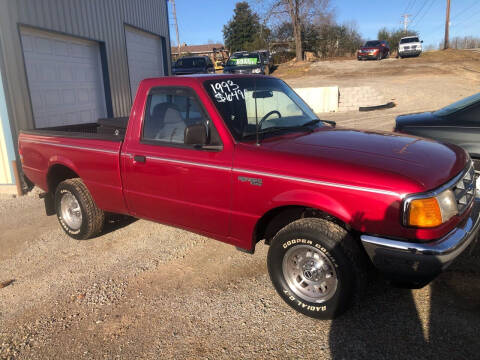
[[316, 121], [309, 123], [272, 129]]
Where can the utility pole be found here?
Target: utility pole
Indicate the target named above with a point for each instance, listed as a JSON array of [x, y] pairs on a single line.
[[174, 12], [447, 26], [405, 22]]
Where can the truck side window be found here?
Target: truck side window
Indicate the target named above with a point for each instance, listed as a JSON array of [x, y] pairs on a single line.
[[169, 111]]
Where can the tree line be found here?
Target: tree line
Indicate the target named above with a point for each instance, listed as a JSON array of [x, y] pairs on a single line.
[[292, 27], [302, 25]]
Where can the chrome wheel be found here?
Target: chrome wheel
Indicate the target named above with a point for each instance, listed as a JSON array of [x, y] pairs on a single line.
[[70, 211], [309, 273]]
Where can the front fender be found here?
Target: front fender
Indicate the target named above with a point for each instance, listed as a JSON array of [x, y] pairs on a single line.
[[312, 199]]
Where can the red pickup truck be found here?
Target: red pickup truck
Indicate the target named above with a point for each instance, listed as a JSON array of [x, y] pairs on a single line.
[[241, 159]]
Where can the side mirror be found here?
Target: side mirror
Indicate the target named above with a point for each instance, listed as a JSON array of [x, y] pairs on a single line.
[[196, 135], [421, 41], [330, 122]]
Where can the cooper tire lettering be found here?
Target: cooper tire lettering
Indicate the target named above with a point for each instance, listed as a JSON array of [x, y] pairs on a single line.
[[328, 241]]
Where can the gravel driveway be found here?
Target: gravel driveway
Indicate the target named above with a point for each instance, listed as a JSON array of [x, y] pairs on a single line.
[[143, 290]]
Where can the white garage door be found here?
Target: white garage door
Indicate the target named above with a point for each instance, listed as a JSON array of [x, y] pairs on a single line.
[[145, 56], [64, 77]]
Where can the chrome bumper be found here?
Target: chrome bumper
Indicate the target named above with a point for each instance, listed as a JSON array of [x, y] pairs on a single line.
[[410, 52], [421, 262]]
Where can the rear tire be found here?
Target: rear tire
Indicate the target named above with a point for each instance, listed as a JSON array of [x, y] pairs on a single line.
[[76, 211], [317, 267]]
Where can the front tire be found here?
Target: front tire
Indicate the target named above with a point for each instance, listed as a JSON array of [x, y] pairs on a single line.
[[76, 211], [317, 267]]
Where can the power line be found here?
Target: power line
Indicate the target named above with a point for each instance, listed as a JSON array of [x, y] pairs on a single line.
[[428, 8], [409, 6], [421, 8], [468, 18], [465, 9]]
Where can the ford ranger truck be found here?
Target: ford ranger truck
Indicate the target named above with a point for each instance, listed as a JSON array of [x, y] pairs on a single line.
[[240, 159]]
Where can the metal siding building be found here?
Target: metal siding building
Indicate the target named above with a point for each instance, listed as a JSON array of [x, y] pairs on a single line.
[[72, 61]]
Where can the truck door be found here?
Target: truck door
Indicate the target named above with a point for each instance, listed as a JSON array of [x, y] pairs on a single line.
[[170, 182]]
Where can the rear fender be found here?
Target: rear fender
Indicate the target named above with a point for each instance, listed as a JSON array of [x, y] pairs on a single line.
[[60, 160]]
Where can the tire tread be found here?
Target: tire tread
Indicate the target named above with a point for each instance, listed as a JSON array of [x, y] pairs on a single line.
[[95, 217], [338, 236]]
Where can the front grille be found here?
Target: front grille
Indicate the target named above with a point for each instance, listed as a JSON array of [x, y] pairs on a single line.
[[476, 164], [406, 47], [464, 190], [414, 46]]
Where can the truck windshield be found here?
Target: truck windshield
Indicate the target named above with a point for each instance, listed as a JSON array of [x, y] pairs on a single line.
[[459, 105], [372, 43], [409, 40], [273, 105]]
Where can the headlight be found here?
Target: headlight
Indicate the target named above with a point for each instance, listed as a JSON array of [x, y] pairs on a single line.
[[256, 71], [430, 211]]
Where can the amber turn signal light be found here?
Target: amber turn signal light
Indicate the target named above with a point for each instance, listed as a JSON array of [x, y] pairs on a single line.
[[425, 213]]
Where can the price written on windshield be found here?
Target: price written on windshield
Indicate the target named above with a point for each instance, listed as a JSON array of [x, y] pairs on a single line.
[[227, 91]]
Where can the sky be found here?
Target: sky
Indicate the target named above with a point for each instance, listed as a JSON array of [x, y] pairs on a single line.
[[201, 21]]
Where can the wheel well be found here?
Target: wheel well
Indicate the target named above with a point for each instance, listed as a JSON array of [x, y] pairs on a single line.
[[277, 218], [57, 174]]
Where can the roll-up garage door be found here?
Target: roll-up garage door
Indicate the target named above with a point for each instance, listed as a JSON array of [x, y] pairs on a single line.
[[145, 56], [64, 78]]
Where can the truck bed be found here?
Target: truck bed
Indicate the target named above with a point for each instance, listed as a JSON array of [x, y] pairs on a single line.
[[111, 129], [91, 151]]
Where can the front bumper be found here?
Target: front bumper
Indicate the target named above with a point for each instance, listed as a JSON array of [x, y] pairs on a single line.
[[420, 263], [410, 52], [367, 55]]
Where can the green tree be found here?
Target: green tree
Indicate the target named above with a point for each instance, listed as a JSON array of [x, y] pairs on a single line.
[[326, 40], [243, 30]]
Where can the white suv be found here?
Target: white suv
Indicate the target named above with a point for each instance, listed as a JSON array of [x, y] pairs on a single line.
[[409, 46]]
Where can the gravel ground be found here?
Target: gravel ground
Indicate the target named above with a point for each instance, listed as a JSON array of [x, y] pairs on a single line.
[[143, 290]]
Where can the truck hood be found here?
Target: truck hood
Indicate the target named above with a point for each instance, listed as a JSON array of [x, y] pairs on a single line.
[[417, 44], [368, 48], [385, 160]]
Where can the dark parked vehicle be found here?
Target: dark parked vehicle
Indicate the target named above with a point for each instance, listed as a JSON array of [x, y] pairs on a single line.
[[193, 65], [374, 49], [458, 123], [267, 60], [245, 63]]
